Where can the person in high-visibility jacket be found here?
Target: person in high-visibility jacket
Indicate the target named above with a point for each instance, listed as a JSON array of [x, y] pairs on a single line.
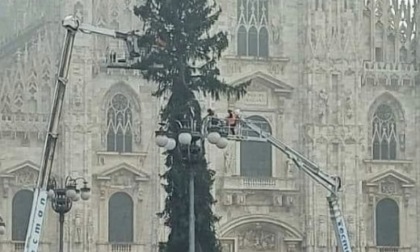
[[231, 121]]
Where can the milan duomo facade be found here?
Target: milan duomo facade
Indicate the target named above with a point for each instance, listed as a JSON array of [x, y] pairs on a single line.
[[336, 79]]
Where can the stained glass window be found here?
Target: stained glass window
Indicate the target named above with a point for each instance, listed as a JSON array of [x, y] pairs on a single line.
[[120, 218], [384, 127], [387, 223], [256, 157], [252, 37], [119, 124]]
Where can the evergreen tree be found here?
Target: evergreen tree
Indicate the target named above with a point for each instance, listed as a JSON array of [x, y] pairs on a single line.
[[177, 38]]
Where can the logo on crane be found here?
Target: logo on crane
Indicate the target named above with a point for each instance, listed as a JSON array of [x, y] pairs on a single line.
[[35, 234], [342, 233]]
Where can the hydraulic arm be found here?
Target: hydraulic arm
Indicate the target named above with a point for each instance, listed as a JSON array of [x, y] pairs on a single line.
[[72, 26], [331, 183]]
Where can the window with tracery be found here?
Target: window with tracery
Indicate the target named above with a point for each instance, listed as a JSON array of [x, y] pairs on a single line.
[[384, 134], [252, 37], [119, 124], [387, 223]]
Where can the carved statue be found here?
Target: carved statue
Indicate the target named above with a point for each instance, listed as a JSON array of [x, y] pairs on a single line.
[[275, 29], [227, 161]]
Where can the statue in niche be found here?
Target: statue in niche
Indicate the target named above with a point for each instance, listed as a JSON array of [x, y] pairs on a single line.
[[227, 161], [322, 232], [362, 233], [78, 227], [348, 105], [137, 130], [275, 29], [257, 239], [323, 106]]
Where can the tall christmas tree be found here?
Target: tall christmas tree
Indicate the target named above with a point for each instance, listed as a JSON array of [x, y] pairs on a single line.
[[177, 37]]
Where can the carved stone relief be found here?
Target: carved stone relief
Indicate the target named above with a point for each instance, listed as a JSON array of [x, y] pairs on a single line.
[[388, 187], [257, 239], [122, 178], [25, 176]]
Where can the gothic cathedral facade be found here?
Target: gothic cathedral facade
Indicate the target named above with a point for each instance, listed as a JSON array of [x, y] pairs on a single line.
[[335, 79]]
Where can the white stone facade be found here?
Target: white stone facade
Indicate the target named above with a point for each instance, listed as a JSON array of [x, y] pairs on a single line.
[[336, 79]]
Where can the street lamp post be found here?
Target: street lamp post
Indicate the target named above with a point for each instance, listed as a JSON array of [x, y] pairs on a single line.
[[62, 199], [189, 142], [2, 226]]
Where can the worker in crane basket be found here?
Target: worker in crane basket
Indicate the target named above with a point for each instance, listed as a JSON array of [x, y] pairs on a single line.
[[231, 120]]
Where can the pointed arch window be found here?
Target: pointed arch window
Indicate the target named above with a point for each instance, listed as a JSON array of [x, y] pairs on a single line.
[[21, 211], [252, 33], [119, 124], [384, 135], [256, 157], [120, 218], [387, 223]]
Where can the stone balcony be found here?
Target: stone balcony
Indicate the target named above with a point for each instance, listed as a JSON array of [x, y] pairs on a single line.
[[387, 249], [121, 247], [263, 191], [14, 246]]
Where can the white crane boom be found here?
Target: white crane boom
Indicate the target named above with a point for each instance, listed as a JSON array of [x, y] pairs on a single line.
[[331, 183], [40, 199]]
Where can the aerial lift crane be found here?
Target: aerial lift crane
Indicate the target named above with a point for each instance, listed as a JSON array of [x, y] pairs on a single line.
[[72, 26], [331, 183]]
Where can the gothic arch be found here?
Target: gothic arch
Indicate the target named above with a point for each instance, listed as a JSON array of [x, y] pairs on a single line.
[[291, 231], [390, 100], [121, 118], [386, 132], [123, 88]]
